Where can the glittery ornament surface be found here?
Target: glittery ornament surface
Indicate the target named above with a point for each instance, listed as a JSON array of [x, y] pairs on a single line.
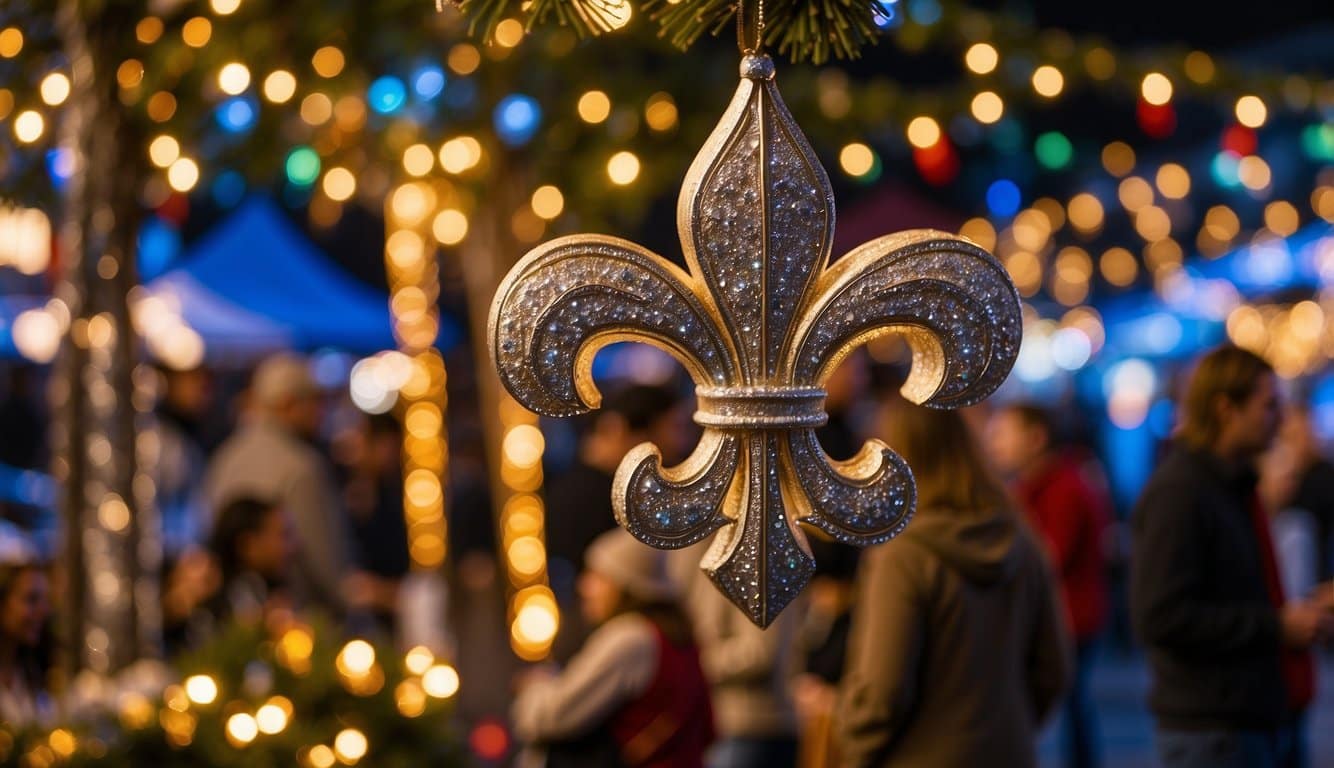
[[760, 320]]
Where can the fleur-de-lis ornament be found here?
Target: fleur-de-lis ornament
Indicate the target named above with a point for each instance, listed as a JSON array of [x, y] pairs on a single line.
[[760, 320]]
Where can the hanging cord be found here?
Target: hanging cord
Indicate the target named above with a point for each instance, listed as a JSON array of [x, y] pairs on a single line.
[[747, 45]]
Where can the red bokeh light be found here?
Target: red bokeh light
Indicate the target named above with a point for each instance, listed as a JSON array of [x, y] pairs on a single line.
[[489, 740]]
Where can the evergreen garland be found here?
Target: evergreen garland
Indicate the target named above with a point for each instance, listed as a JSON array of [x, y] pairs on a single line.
[[252, 668], [801, 30]]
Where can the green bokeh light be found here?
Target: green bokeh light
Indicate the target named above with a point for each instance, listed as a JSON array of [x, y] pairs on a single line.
[[303, 166], [1054, 150]]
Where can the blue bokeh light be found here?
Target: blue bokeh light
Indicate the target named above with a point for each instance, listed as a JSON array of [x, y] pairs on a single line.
[[428, 82], [236, 115], [925, 12], [1003, 198], [889, 15], [1225, 169], [60, 166], [387, 95], [516, 118], [159, 245]]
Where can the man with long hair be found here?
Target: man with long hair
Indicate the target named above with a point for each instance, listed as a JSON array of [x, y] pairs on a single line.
[[1229, 655]]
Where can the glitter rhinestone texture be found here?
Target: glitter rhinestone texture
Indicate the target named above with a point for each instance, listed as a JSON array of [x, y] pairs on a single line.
[[760, 320]]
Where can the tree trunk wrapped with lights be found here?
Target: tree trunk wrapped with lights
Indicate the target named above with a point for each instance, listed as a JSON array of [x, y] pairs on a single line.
[[112, 536]]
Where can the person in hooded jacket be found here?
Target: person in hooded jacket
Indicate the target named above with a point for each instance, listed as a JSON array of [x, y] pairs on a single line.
[[958, 647]]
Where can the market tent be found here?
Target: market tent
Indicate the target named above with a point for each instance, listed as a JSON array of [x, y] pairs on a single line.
[[256, 282]]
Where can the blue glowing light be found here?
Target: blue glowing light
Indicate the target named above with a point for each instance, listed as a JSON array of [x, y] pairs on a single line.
[[924, 12], [516, 118], [235, 115], [60, 165], [888, 15], [1003, 198], [387, 95], [1224, 168], [429, 82], [228, 188], [159, 245]]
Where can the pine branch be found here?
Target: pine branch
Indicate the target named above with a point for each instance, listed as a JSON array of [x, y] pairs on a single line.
[[801, 30]]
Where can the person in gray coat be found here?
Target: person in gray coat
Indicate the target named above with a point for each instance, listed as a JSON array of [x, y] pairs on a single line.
[[273, 456]]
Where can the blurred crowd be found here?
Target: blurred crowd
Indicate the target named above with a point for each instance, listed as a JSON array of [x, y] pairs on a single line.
[[951, 645]]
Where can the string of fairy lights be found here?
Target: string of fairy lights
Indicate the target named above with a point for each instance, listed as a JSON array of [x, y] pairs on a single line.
[[414, 289], [533, 615]]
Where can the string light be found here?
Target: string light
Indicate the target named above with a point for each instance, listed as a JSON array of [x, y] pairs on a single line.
[[1086, 213], [1156, 89], [1048, 81], [196, 32], [1281, 218], [234, 78], [55, 89], [460, 154], [1118, 158], [660, 112], [201, 689], [328, 61], [279, 86], [1118, 267], [856, 159], [594, 107], [923, 132], [149, 30], [1173, 181], [161, 106], [413, 214], [464, 59], [418, 160], [11, 42], [242, 728], [547, 201], [183, 174], [29, 126], [981, 58], [623, 168], [987, 107], [440, 681], [1254, 173], [508, 33], [350, 745], [130, 73], [1251, 111], [339, 184], [450, 226], [271, 718], [224, 7], [321, 756]]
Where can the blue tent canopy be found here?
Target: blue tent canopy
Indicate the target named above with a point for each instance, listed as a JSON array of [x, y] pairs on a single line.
[[257, 280]]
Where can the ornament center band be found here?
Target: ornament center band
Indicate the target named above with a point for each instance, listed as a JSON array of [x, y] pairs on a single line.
[[743, 408]]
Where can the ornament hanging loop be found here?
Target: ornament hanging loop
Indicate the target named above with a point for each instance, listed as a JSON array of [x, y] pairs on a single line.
[[750, 36]]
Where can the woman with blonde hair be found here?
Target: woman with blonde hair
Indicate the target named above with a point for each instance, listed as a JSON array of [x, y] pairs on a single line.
[[958, 648]]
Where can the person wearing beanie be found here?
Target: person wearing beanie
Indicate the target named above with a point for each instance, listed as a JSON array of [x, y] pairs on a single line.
[[634, 694], [274, 456]]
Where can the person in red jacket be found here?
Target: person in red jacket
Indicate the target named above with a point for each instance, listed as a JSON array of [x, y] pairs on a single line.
[[1065, 499]]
